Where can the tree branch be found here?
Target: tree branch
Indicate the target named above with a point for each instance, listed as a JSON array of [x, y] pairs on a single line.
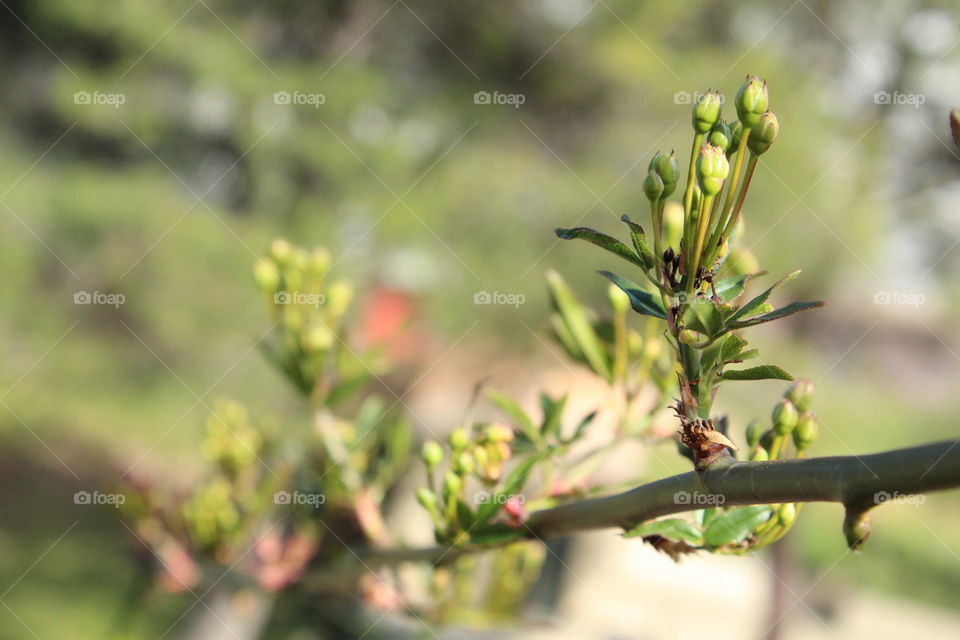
[[854, 481]]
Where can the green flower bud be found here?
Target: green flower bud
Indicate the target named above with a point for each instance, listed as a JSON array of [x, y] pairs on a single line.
[[652, 186], [689, 336], [619, 301], [451, 485], [498, 433], [763, 135], [319, 261], [338, 298], [266, 275], [706, 111], [319, 338], [668, 168], [672, 224], [787, 514], [427, 499], [754, 431], [459, 439], [856, 528], [759, 455], [742, 261], [463, 464], [432, 454], [751, 101], [721, 136], [801, 394], [784, 417], [766, 440], [280, 251], [806, 432], [712, 169]]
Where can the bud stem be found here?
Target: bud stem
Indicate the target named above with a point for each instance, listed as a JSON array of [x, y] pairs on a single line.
[[706, 203], [687, 240], [656, 214], [728, 219]]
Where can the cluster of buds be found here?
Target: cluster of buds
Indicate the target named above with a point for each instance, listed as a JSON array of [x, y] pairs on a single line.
[[718, 177], [476, 456], [791, 420], [231, 442], [308, 310]]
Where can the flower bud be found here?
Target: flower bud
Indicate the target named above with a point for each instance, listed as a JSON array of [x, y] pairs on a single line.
[[463, 464], [432, 454], [787, 514], [856, 528], [317, 339], [801, 394], [319, 261], [427, 499], [689, 336], [668, 168], [721, 136], [751, 101], [652, 186], [338, 298], [742, 261], [619, 301], [784, 417], [766, 440], [759, 454], [754, 431], [712, 169], [451, 485], [266, 275], [806, 432], [672, 224], [459, 438], [763, 135], [280, 251], [706, 111], [498, 433]]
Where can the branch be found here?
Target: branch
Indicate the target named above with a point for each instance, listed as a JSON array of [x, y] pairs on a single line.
[[853, 481]]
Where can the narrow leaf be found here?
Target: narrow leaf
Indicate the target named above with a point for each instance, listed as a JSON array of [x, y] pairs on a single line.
[[731, 288], [763, 372], [603, 241], [641, 300], [511, 486], [639, 238], [782, 312], [576, 320], [760, 299], [516, 414], [552, 412]]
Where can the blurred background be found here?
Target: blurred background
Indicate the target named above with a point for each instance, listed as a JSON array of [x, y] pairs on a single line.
[[153, 149]]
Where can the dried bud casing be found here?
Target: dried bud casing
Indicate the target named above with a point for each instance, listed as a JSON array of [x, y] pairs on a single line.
[[751, 101], [706, 111]]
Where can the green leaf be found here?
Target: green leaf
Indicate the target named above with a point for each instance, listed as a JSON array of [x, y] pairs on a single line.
[[732, 347], [731, 288], [733, 526], [516, 414], [561, 333], [641, 300], [464, 515], [552, 412], [703, 316], [640, 243], [511, 486], [782, 312], [763, 372], [496, 534], [760, 299], [578, 431], [671, 528], [580, 328], [603, 241]]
